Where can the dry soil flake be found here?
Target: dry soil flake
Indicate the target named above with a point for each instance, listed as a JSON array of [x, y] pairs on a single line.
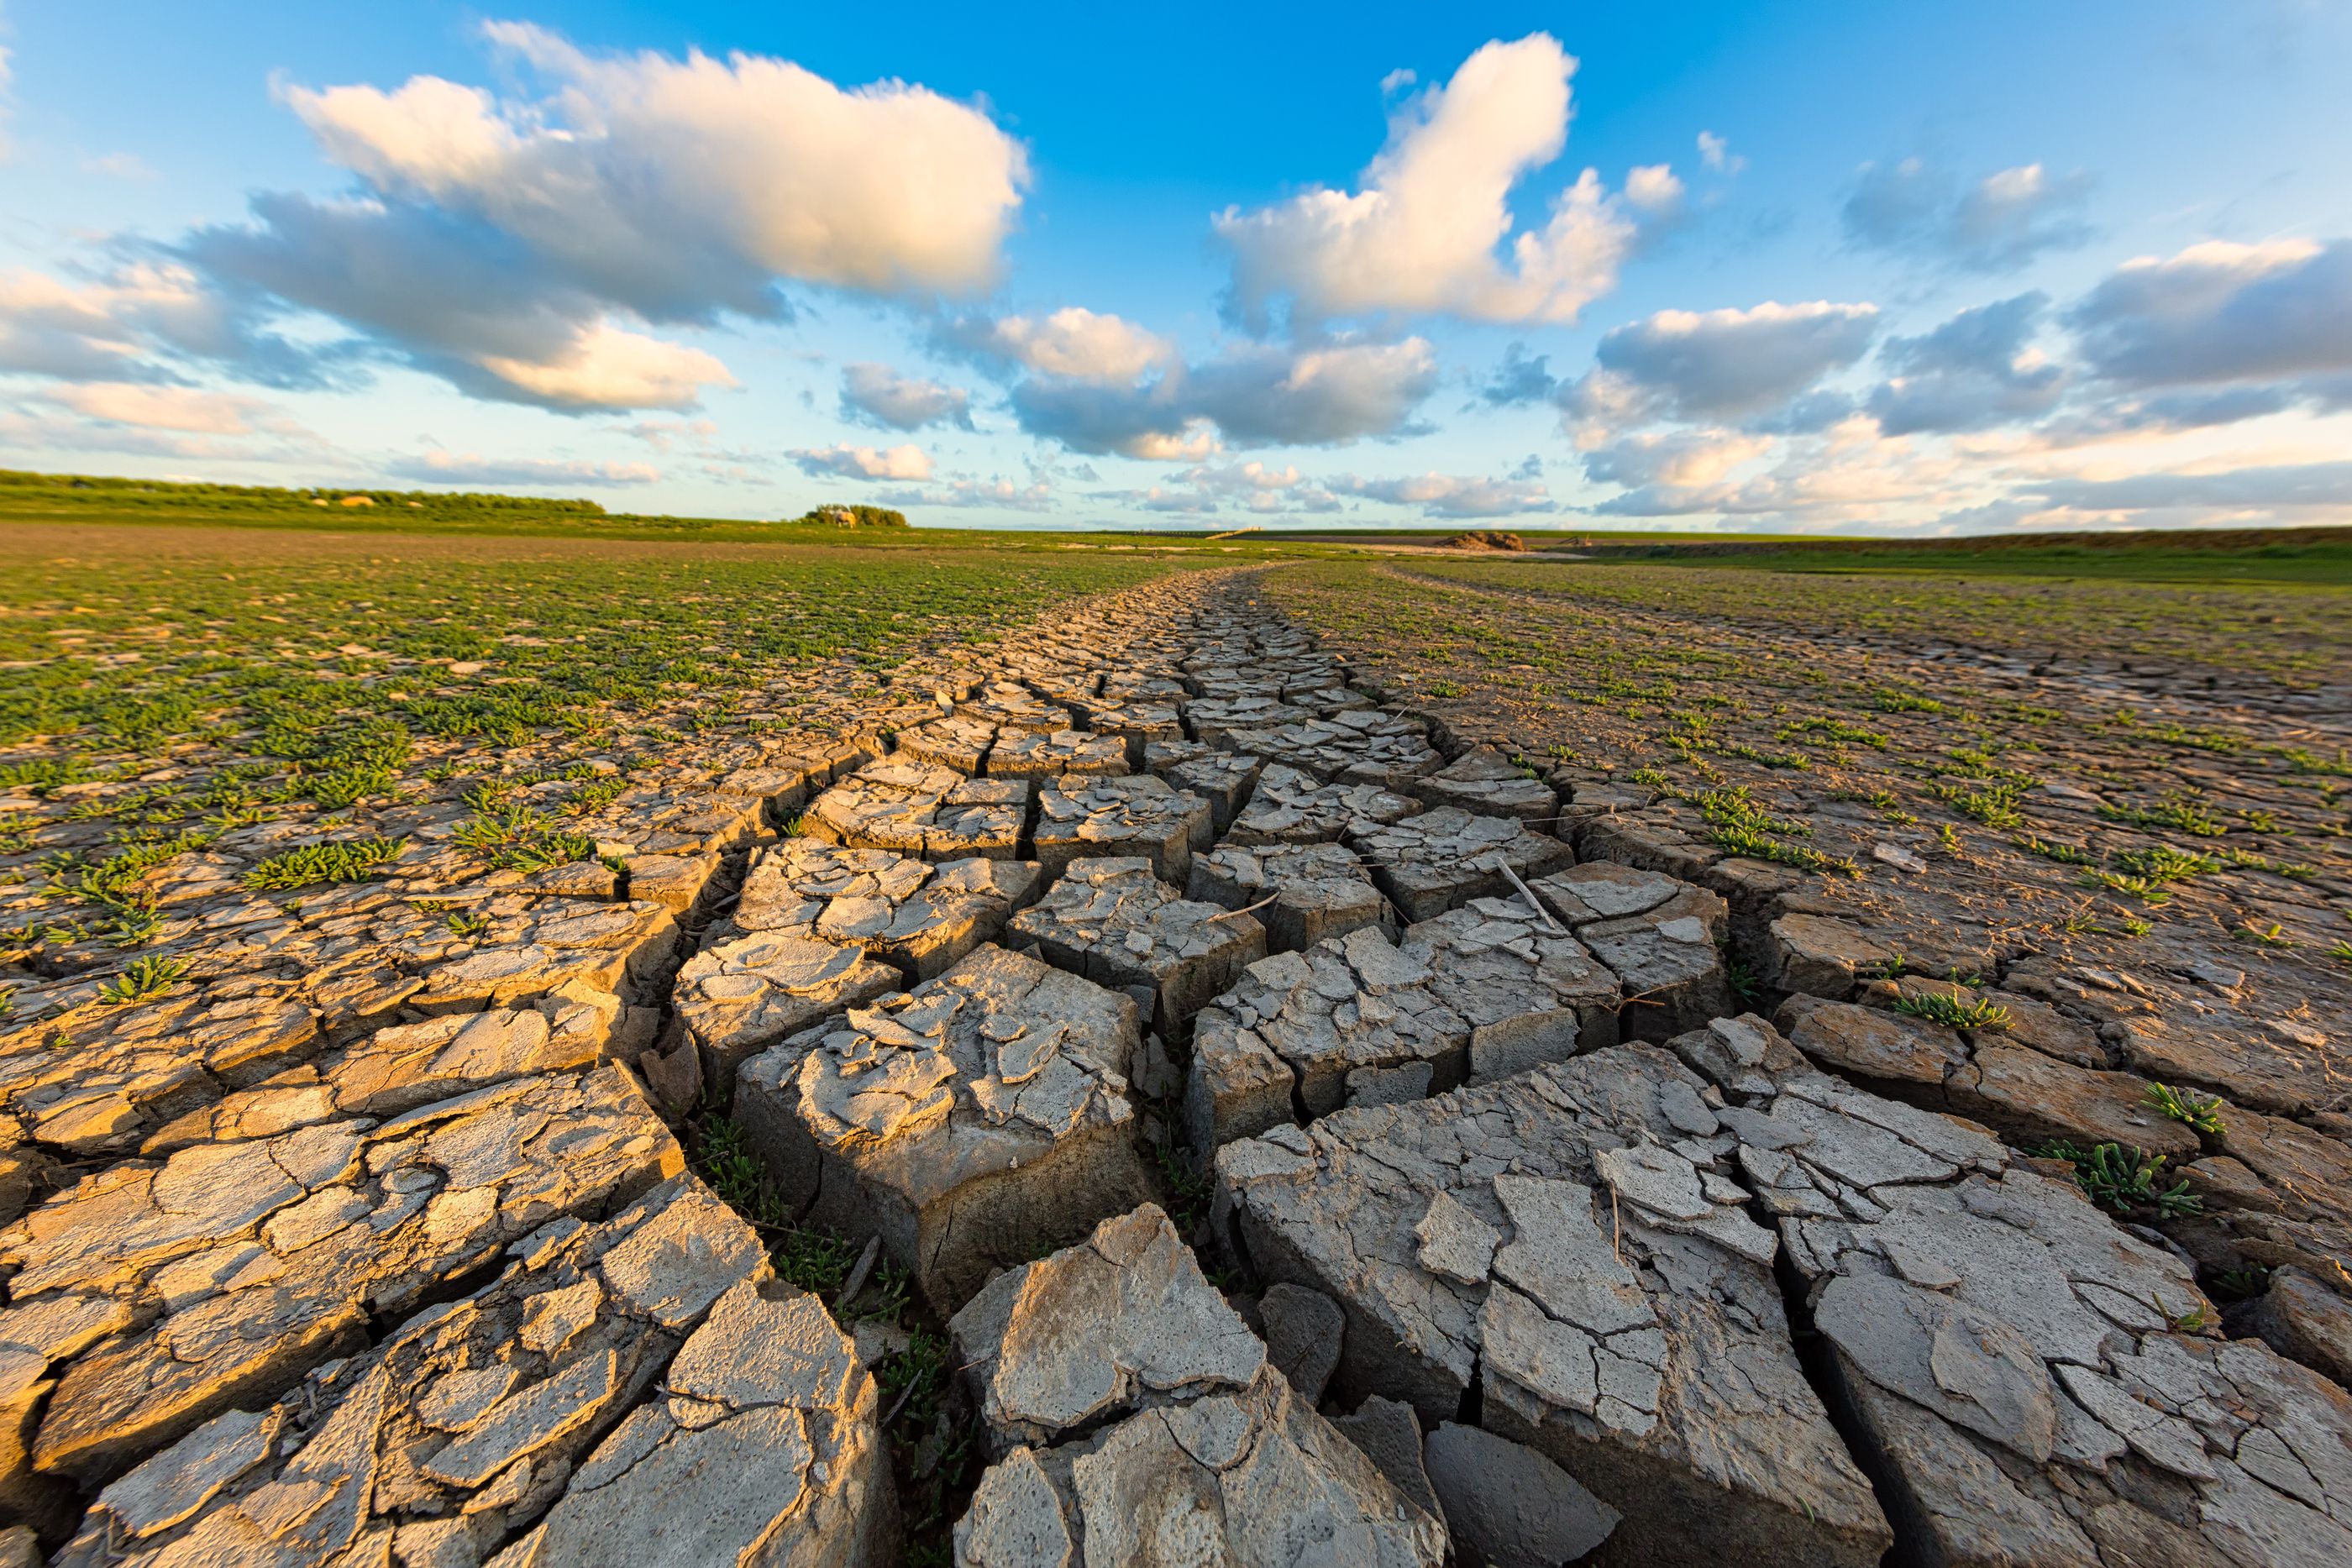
[[1134, 1420], [1118, 925], [155, 1295], [907, 912], [1443, 859], [922, 809], [469, 1422], [1573, 1241], [1478, 992], [1132, 814], [1302, 893], [963, 1122], [2037, 1384], [740, 996]]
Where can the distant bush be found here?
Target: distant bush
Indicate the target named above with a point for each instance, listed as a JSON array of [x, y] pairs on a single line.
[[1486, 538], [842, 516]]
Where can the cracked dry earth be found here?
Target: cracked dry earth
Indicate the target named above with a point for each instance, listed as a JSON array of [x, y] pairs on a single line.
[[1311, 1136]]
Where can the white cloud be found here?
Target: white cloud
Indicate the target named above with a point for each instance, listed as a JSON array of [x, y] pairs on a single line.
[[1398, 80], [677, 186], [519, 245], [907, 462], [1251, 395], [1715, 153], [878, 394], [1072, 342], [1977, 370], [106, 329], [2218, 312], [998, 492], [1421, 234], [154, 407], [2292, 490], [603, 367], [1997, 225], [1456, 494], [1653, 188], [440, 468], [1688, 365], [1681, 459]]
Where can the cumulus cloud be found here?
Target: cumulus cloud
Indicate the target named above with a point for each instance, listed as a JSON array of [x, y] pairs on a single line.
[[678, 187], [1075, 343], [1683, 459], [907, 462], [996, 491], [1456, 494], [1997, 225], [1715, 154], [519, 245], [154, 407], [1695, 365], [1422, 232], [1251, 395], [879, 395], [2218, 312], [439, 467], [2289, 489], [113, 327], [1977, 370]]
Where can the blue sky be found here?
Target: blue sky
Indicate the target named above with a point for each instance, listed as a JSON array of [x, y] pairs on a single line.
[[1819, 266]]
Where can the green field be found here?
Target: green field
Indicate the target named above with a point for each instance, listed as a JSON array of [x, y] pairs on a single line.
[[321, 670]]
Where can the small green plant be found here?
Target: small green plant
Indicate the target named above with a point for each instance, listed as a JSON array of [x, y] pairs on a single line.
[[149, 977], [2201, 1112], [2270, 936], [1953, 1009], [343, 859], [469, 925], [2124, 1180]]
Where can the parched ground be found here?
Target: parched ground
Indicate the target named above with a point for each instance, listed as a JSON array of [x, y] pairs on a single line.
[[554, 1053]]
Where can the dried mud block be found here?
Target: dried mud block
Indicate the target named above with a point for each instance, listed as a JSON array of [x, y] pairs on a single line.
[[1318, 890], [1141, 721], [1360, 746], [1013, 707], [2018, 1091], [955, 742], [1135, 1419], [2034, 1382], [920, 809], [462, 1427], [1026, 754], [1288, 807], [1213, 720], [1443, 859], [1510, 1507], [155, 1295], [1134, 814], [767, 1448], [1485, 782], [1664, 939], [1574, 1240], [1118, 925], [1223, 779], [917, 915], [738, 997], [1478, 992], [963, 1122], [407, 1066]]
